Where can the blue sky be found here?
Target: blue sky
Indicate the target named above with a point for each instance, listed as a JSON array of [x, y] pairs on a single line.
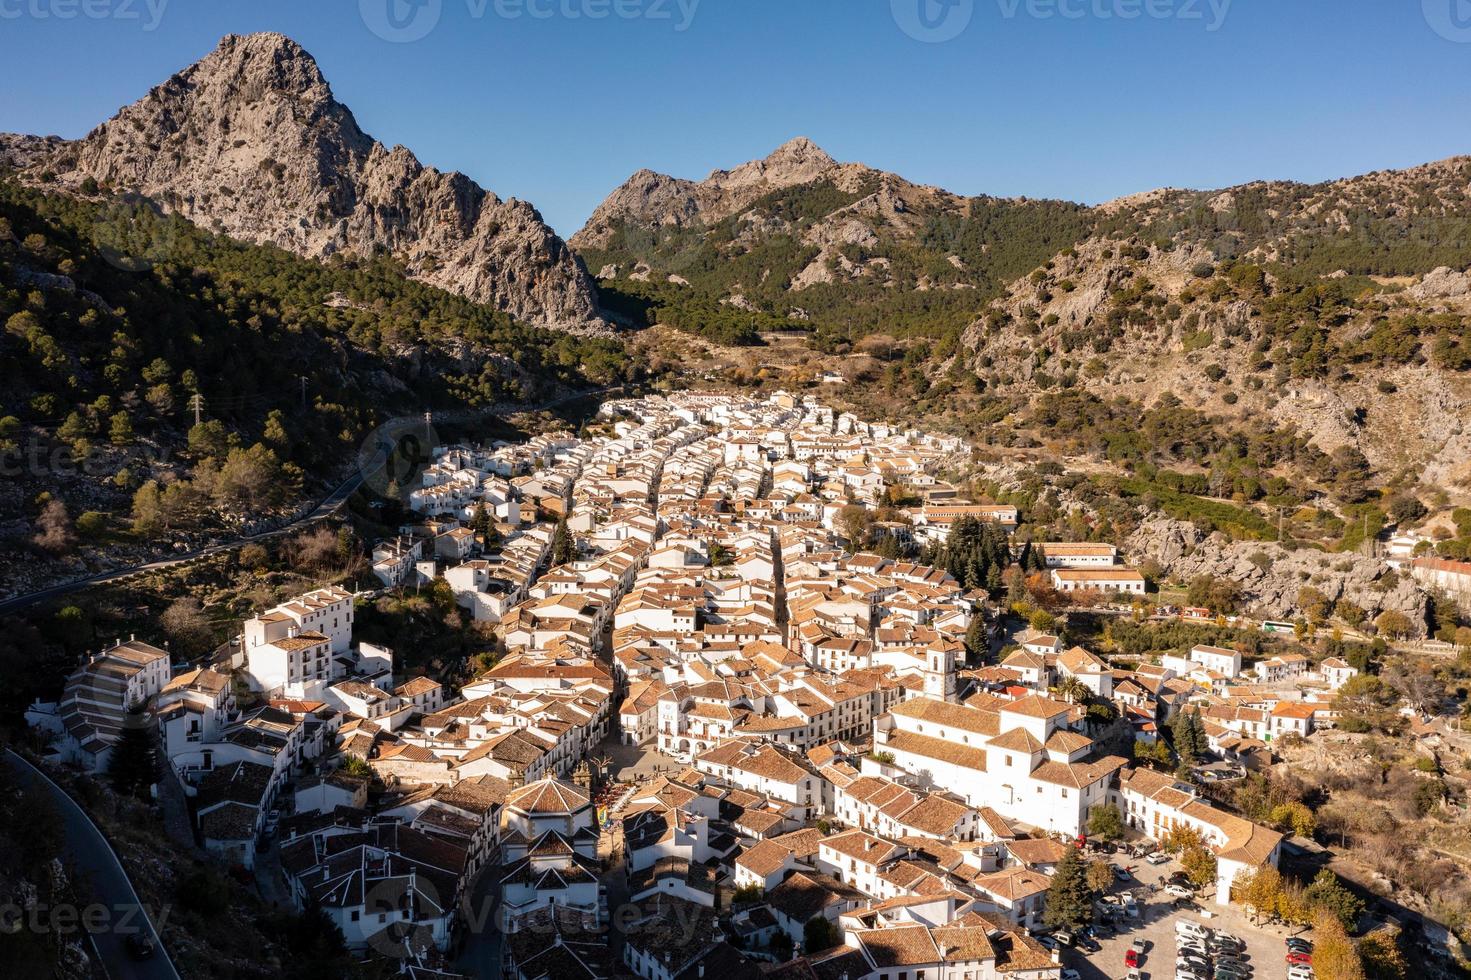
[[1044, 98]]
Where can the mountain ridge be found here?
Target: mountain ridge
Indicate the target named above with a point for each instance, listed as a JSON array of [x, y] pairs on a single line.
[[251, 141]]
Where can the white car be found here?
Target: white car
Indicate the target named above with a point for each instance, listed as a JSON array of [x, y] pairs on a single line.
[[1179, 891], [1158, 857]]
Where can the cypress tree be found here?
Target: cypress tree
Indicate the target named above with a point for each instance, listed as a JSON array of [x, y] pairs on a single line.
[[133, 766]]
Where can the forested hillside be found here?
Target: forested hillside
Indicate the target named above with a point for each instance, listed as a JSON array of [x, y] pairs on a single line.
[[842, 252], [117, 317]]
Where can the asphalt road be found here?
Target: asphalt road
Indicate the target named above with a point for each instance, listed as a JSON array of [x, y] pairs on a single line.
[[93, 856], [329, 505]]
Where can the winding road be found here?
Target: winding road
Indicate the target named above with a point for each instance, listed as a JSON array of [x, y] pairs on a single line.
[[94, 857], [328, 506]]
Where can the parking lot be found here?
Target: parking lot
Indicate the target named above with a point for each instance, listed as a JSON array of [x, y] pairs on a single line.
[[1156, 926]]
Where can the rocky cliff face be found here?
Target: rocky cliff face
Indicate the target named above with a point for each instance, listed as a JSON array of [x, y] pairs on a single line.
[[251, 142], [1270, 576]]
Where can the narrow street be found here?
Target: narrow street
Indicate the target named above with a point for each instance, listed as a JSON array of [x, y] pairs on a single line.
[[480, 950]]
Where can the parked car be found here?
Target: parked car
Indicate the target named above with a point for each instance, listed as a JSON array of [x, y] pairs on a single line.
[[140, 946], [1299, 959], [1299, 944], [1157, 858], [1123, 874], [1063, 938]]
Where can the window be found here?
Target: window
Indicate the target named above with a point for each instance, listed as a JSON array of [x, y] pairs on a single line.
[[354, 915]]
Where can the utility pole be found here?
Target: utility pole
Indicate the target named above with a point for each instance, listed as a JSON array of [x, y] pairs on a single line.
[[196, 402]]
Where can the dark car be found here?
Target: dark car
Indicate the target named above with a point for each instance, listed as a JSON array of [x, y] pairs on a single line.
[[140, 946]]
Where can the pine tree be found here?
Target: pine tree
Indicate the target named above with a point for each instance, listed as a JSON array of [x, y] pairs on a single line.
[[1190, 738], [563, 548], [480, 520], [977, 642], [1036, 561], [1069, 901], [133, 766]]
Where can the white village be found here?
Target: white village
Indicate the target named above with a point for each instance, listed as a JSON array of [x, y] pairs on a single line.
[[743, 720]]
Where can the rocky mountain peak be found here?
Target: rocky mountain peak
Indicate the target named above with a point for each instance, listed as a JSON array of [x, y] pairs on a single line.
[[252, 55], [658, 200], [251, 140], [797, 160]]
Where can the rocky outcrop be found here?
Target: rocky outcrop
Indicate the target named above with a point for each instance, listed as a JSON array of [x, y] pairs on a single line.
[[251, 142], [19, 150], [1271, 577], [657, 200], [1442, 283]]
